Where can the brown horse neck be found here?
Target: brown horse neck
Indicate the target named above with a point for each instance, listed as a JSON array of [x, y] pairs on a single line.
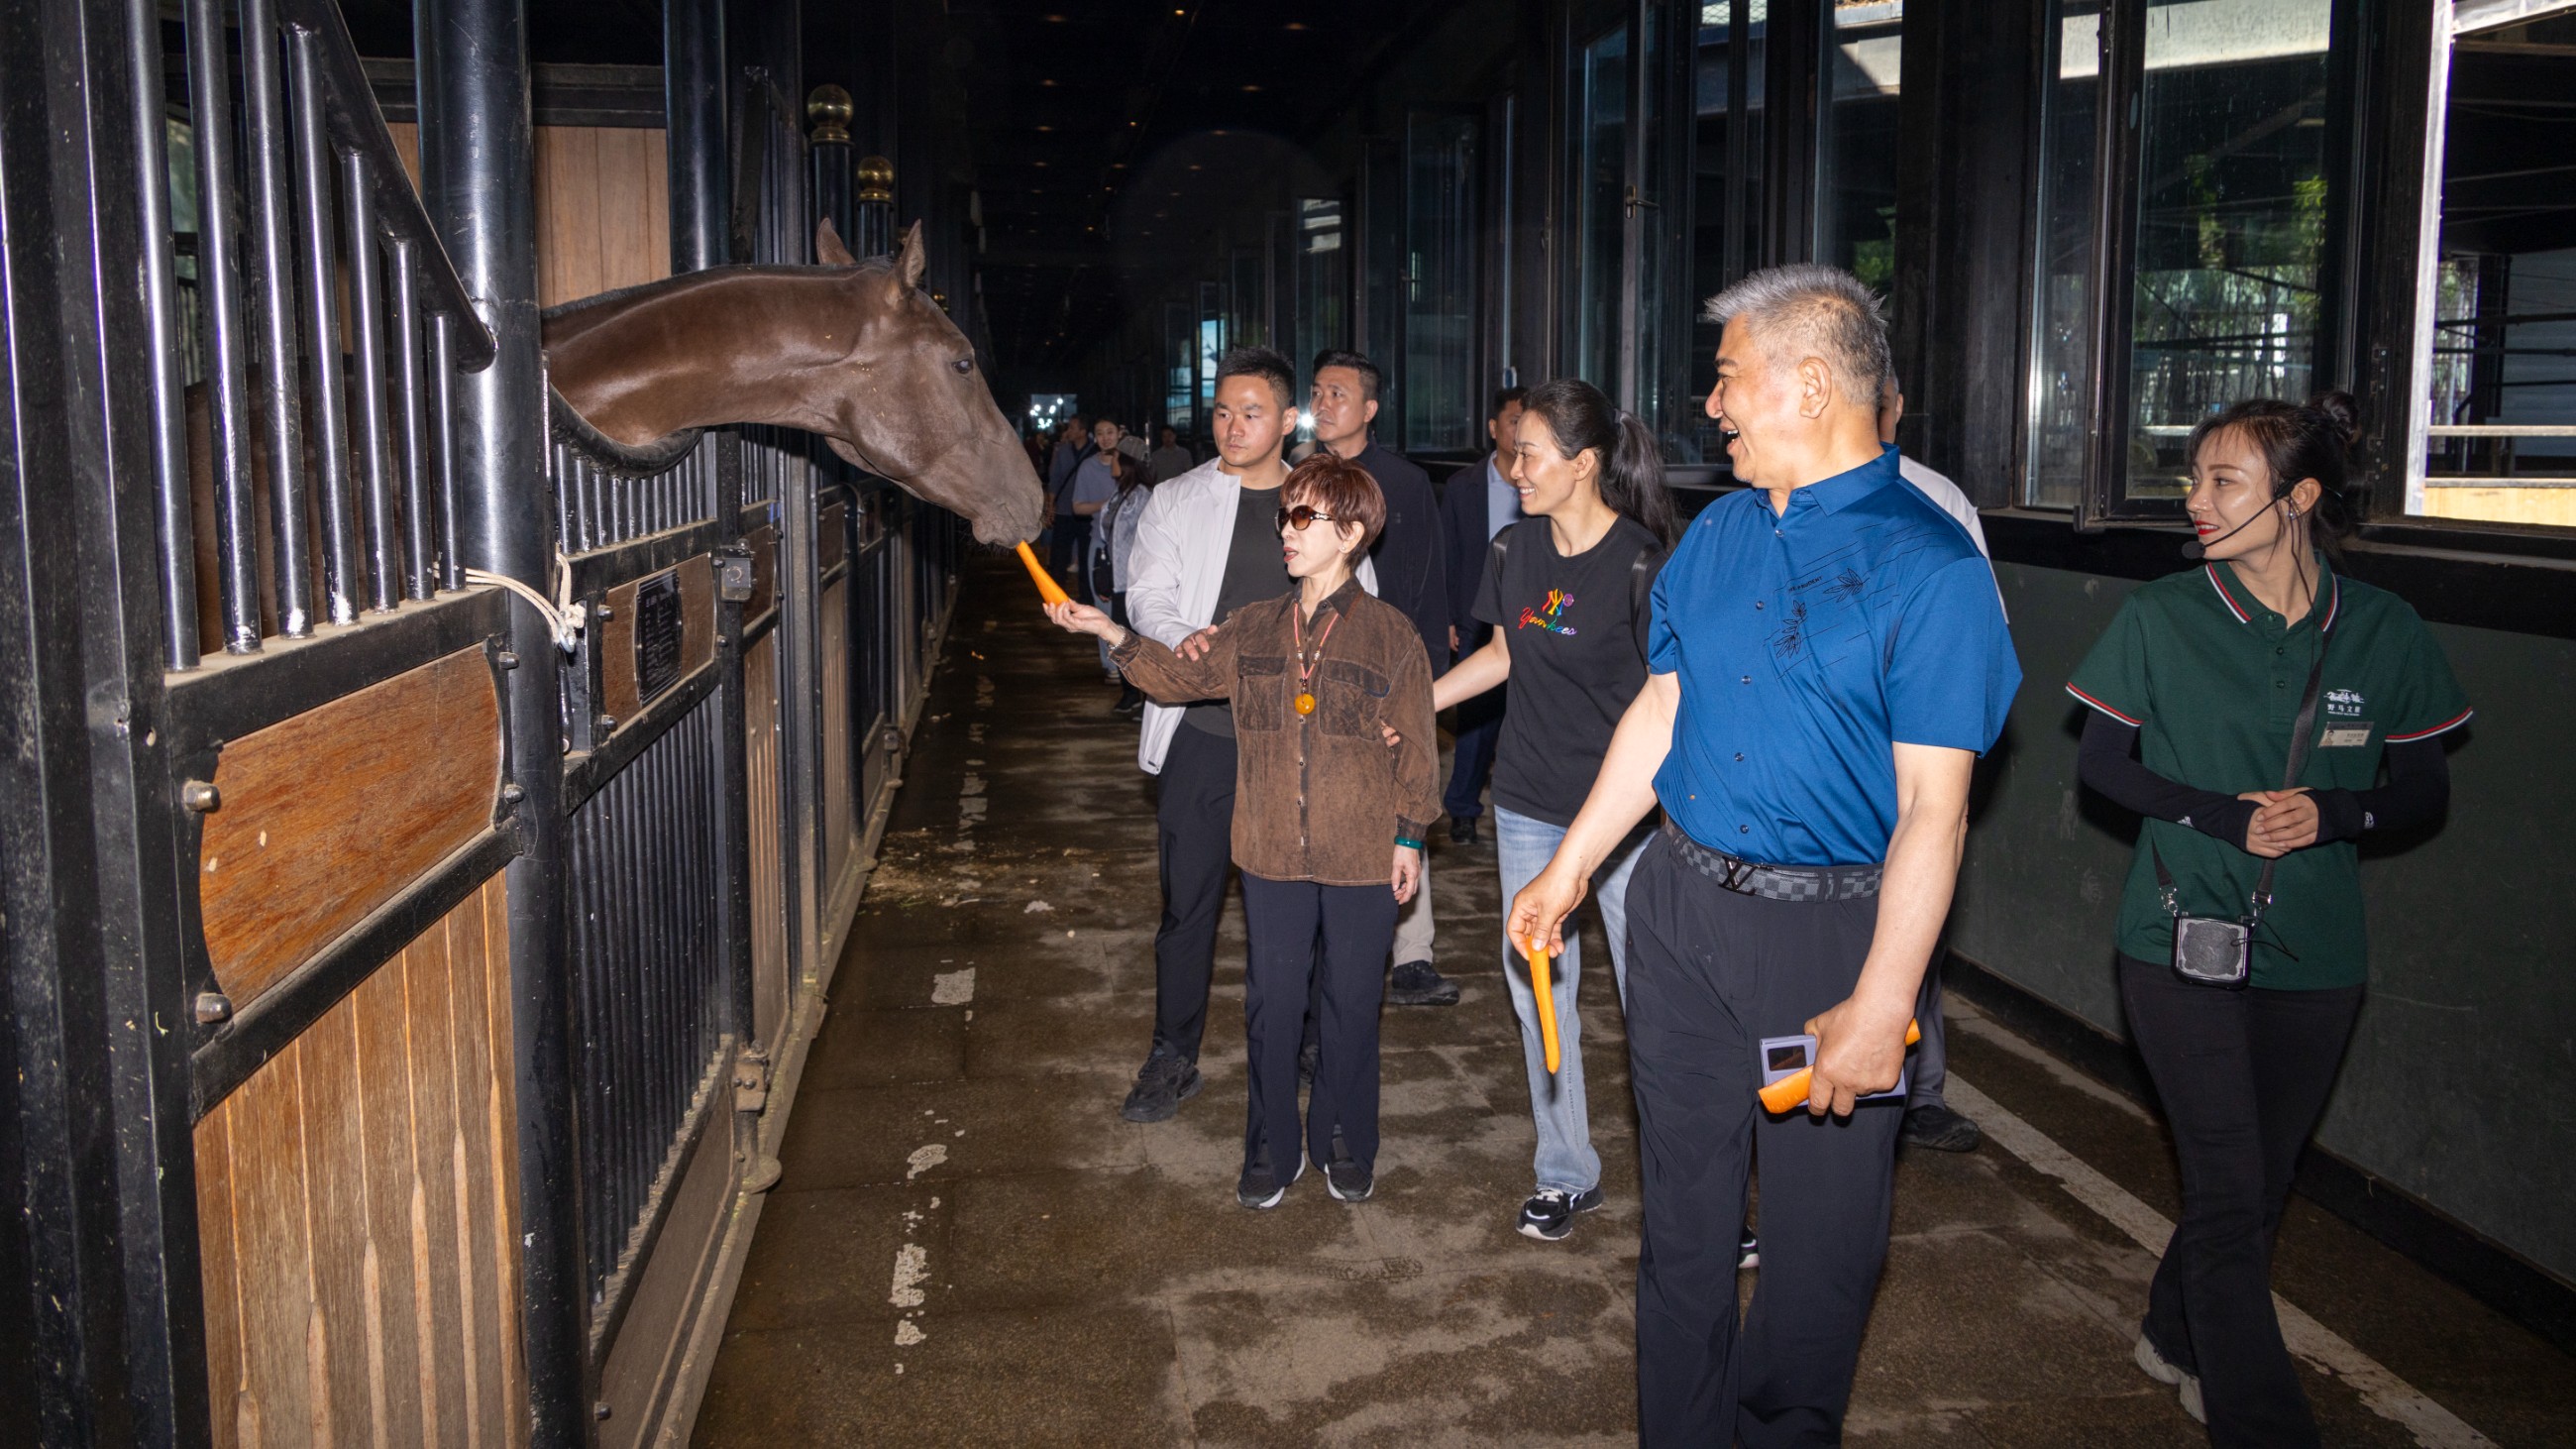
[[728, 345]]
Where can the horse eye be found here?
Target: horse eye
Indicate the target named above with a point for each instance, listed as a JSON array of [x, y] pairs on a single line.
[[963, 365]]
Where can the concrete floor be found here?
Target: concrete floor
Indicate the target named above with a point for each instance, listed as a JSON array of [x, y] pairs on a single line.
[[969, 1247]]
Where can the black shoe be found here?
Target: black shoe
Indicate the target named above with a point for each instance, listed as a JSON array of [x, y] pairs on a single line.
[[1259, 1187], [1307, 1056], [1347, 1181], [1462, 830], [1165, 1081], [1748, 1253], [1940, 1129], [1130, 701], [1549, 1214], [1416, 984]]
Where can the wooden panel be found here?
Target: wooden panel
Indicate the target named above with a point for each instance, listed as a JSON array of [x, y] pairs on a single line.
[[768, 872], [840, 813], [763, 543], [351, 1294], [327, 815], [832, 537], [2503, 505], [617, 693]]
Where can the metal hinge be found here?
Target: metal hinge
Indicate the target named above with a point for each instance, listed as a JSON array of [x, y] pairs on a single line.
[[751, 1079]]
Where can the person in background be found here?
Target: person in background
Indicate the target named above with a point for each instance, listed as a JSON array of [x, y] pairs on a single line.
[[1564, 597], [1342, 402], [1479, 503], [2184, 733], [1827, 662], [1169, 458], [1328, 829], [1207, 543], [1097, 480], [1072, 445], [1113, 544]]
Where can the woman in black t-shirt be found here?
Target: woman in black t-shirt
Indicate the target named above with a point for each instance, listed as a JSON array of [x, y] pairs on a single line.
[[1566, 590]]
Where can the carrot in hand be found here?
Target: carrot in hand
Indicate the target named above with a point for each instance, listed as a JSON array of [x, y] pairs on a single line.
[[1049, 591], [1546, 1002], [1792, 1089]]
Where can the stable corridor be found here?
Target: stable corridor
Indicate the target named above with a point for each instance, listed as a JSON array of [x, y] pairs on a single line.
[[969, 1247]]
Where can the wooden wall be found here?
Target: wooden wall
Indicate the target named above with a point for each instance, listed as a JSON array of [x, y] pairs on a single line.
[[603, 207], [357, 1204]]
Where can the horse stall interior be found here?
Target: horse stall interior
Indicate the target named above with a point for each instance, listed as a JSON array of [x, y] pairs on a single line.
[[486, 863]]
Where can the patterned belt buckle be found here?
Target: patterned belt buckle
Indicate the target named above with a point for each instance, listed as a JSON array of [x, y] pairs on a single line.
[[1738, 874]]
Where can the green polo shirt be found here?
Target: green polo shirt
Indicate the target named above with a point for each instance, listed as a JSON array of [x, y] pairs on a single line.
[[2212, 681]]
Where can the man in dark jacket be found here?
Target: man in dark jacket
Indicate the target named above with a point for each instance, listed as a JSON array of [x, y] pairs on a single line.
[[1413, 576], [1480, 502]]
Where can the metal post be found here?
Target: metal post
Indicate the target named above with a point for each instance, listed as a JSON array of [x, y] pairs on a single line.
[[693, 98], [476, 182], [876, 208], [828, 109]]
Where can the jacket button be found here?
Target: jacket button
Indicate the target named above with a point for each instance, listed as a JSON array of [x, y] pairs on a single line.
[[1748, 679], [1739, 757], [1744, 830]]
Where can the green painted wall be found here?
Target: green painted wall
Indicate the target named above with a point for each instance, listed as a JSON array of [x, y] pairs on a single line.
[[2460, 1087]]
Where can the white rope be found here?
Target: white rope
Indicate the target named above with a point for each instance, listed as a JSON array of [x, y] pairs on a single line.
[[565, 617]]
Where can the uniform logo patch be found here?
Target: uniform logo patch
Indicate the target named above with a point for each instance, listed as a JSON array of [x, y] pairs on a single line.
[[2347, 703]]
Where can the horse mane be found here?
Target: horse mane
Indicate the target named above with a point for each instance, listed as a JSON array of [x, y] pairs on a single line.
[[642, 290]]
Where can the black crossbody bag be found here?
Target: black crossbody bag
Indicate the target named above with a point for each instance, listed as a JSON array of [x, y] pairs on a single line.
[[2217, 950]]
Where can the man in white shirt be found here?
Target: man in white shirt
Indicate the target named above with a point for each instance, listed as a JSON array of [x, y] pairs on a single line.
[[1206, 544]]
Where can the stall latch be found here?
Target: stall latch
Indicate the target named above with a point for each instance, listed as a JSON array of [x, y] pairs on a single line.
[[733, 575]]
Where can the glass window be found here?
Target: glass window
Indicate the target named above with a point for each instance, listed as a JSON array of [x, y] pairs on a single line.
[[1438, 382], [1726, 194], [1180, 369], [1600, 215], [2062, 312], [2494, 415], [1323, 278], [1856, 217]]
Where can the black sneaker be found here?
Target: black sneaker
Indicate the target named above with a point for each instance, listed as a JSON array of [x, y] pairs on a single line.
[[1165, 1081], [1549, 1213], [1260, 1187], [1748, 1252], [1462, 830], [1347, 1181], [1935, 1126], [1130, 701], [1416, 984]]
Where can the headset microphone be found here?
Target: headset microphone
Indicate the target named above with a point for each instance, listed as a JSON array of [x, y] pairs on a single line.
[[2195, 550]]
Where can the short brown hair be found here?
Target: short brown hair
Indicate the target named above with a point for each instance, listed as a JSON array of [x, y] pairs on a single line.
[[1339, 487]]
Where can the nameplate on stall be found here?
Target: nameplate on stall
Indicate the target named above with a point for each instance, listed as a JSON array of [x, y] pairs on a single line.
[[660, 628]]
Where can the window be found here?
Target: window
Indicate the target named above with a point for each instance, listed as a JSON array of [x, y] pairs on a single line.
[[1856, 217], [1436, 391], [2062, 296], [2493, 421], [1726, 193], [1600, 216], [1323, 278]]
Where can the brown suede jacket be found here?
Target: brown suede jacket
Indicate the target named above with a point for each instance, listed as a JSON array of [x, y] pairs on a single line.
[[1317, 797]]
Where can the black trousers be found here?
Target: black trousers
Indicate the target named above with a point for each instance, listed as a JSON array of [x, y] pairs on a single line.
[[1335, 937], [1927, 1067], [1194, 827], [2243, 1076], [1710, 973]]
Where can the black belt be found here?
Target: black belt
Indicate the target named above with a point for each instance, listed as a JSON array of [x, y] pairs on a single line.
[[1776, 882]]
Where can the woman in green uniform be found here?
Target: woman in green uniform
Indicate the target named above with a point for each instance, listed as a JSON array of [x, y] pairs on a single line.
[[2197, 692]]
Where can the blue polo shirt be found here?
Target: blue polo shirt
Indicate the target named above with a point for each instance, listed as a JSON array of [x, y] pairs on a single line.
[[1809, 644]]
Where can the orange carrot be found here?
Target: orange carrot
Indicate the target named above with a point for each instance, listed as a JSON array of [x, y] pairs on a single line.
[[1049, 591], [1792, 1089], [1546, 1001]]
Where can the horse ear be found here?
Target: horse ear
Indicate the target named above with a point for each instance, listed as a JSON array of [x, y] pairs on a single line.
[[911, 260], [828, 248]]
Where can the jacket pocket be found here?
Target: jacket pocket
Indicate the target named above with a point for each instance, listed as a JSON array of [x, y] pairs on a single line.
[[1261, 692], [1352, 698]]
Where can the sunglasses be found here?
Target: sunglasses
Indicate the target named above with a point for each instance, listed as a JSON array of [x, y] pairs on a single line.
[[1302, 515]]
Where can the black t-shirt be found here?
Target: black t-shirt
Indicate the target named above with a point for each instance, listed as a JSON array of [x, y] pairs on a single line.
[[1255, 569], [1576, 628]]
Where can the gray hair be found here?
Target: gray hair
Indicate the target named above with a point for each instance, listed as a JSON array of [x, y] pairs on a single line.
[[1823, 312]]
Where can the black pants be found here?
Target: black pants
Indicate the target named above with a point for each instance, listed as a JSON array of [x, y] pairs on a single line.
[[1072, 545], [1301, 934], [1710, 973], [1194, 824], [2243, 1076], [1927, 1067]]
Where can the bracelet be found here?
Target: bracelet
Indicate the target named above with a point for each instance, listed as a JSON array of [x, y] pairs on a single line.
[[1408, 844]]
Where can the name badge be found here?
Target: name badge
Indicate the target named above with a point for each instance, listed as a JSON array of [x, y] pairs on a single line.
[[2344, 735]]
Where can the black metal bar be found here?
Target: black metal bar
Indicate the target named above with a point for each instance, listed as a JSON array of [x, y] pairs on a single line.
[[2112, 288], [442, 442], [343, 579], [587, 773], [693, 89], [162, 342], [210, 106], [477, 147], [272, 220], [603, 569], [420, 538], [367, 342], [215, 704]]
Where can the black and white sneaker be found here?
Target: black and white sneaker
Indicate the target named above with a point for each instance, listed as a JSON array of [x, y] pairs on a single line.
[[1165, 1081], [1549, 1214], [1260, 1187], [1748, 1251], [1348, 1181], [1415, 983]]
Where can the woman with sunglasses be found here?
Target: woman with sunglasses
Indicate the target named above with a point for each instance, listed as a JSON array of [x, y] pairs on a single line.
[[1328, 820], [2207, 687]]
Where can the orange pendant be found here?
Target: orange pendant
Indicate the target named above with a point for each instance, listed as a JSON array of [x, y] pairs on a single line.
[[1305, 704]]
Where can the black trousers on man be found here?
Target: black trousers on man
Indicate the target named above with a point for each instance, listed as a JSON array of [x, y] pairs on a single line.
[[1710, 973], [2243, 1076], [1194, 826]]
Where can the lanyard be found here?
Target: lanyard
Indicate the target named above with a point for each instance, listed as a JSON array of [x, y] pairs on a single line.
[[1306, 667]]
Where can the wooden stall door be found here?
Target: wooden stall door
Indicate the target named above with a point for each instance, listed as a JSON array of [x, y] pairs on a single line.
[[768, 868], [603, 207]]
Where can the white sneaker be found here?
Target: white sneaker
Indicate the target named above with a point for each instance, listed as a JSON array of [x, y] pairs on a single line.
[[2187, 1386]]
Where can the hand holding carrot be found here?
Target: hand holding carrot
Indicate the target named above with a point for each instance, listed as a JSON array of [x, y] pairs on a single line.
[[1084, 619]]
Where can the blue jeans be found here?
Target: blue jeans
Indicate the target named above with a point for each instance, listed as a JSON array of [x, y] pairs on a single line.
[[1565, 1159]]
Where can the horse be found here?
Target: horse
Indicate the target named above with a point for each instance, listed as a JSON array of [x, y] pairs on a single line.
[[851, 350]]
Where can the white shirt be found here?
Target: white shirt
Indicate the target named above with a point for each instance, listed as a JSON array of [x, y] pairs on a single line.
[[1945, 495]]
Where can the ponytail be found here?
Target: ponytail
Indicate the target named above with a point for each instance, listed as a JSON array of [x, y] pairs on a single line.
[[1632, 463]]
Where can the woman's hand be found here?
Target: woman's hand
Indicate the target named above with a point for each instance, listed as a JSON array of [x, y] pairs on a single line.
[[1084, 619], [1407, 874], [1392, 738], [2286, 821], [1195, 647]]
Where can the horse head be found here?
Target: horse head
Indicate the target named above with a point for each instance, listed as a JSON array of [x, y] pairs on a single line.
[[908, 399]]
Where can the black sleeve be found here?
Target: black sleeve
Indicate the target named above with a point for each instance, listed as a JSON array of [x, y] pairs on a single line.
[[2108, 762], [2417, 792]]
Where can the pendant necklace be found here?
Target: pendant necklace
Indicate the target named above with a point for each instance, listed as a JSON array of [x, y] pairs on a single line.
[[1306, 667]]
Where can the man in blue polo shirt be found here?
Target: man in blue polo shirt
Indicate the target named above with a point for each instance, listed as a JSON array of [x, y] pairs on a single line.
[[1828, 659]]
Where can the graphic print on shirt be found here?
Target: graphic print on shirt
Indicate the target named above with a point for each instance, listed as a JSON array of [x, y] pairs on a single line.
[[1551, 616]]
